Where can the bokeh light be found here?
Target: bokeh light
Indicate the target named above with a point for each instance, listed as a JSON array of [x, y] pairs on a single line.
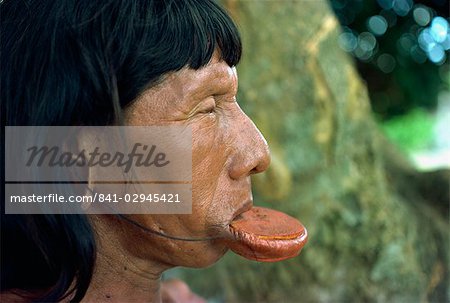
[[398, 45], [426, 40], [418, 55], [377, 25], [436, 54], [367, 41], [402, 7], [386, 4], [405, 43], [386, 63], [348, 41], [446, 43], [435, 40], [422, 15], [439, 29]]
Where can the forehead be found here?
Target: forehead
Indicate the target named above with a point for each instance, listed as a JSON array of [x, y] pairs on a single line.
[[216, 75]]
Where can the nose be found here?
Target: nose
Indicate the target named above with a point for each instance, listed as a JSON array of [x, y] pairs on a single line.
[[252, 153]]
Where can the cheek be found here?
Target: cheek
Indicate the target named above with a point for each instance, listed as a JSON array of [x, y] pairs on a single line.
[[209, 174], [207, 159]]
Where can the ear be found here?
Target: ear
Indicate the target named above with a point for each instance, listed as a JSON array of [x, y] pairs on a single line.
[[83, 144]]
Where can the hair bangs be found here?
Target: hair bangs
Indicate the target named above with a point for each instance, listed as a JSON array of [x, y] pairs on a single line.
[[197, 29]]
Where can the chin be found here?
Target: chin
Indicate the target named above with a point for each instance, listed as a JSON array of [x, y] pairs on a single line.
[[205, 256]]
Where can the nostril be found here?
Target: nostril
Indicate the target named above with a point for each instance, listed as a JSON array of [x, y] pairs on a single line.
[[255, 171], [250, 162], [263, 161]]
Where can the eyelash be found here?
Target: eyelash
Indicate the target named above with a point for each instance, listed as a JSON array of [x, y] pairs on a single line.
[[211, 109]]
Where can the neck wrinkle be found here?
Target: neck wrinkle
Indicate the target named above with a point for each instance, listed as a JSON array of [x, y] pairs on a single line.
[[120, 276]]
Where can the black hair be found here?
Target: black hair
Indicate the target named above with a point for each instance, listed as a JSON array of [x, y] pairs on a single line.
[[81, 62]]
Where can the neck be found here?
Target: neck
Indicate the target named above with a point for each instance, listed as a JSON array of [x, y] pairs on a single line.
[[120, 276]]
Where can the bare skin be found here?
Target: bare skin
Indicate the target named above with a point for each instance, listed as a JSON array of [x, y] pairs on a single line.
[[227, 149], [132, 280]]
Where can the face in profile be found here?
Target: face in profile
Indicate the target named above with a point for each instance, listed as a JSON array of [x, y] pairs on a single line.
[[227, 149]]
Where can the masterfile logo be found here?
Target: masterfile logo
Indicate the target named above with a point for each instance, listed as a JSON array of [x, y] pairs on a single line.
[[130, 169]]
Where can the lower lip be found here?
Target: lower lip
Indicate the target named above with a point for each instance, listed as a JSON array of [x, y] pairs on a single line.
[[266, 235]]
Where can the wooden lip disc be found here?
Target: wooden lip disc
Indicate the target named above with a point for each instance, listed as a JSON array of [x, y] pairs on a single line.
[[267, 235]]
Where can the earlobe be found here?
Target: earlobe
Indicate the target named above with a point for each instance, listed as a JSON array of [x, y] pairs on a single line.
[[84, 175], [89, 192]]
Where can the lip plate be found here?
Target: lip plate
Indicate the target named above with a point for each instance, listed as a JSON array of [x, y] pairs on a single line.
[[246, 206], [267, 235]]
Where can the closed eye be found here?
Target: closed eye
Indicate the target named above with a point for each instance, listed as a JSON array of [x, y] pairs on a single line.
[[207, 106], [208, 110]]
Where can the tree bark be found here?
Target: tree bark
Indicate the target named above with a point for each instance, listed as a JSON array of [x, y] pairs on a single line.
[[373, 233]]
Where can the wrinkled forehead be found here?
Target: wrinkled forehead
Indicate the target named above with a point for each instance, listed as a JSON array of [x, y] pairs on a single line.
[[217, 76]]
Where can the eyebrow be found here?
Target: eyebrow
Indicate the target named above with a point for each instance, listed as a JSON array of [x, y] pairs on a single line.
[[213, 81]]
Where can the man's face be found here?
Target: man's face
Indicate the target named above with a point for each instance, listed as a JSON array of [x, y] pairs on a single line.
[[226, 149]]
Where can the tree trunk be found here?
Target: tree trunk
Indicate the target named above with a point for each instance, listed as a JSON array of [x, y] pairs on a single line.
[[373, 235]]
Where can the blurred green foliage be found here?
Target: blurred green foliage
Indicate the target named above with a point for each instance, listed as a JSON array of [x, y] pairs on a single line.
[[412, 131]]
